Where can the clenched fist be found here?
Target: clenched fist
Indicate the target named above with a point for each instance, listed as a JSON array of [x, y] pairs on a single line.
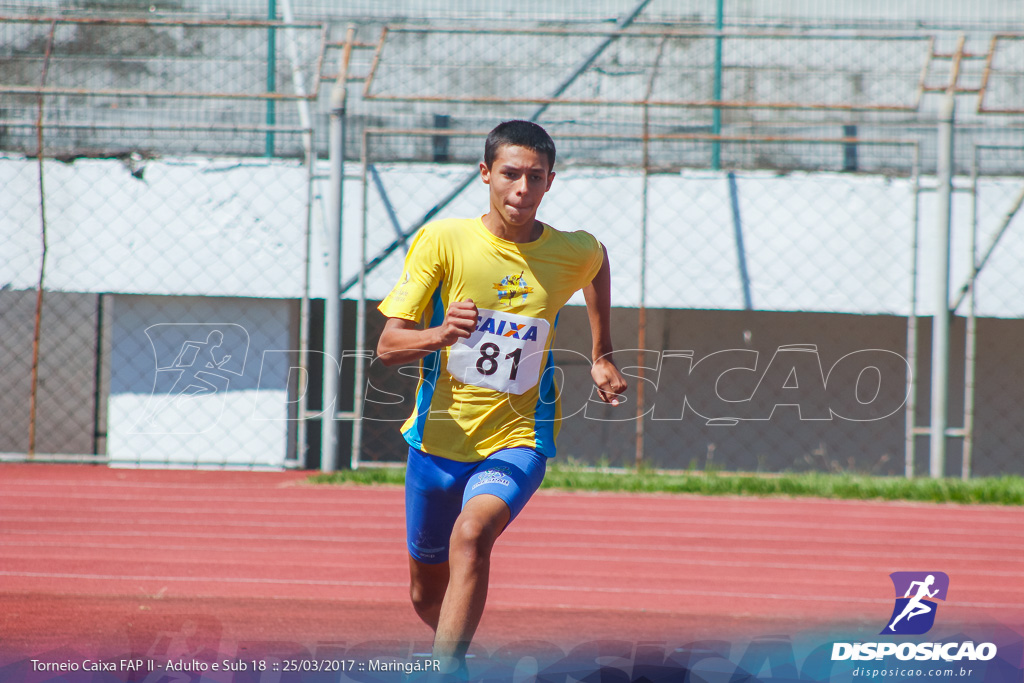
[[459, 322]]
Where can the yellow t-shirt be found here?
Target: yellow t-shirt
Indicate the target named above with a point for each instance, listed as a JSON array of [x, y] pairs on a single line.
[[496, 389]]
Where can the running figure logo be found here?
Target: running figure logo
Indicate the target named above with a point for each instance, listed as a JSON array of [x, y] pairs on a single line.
[[205, 359], [914, 612]]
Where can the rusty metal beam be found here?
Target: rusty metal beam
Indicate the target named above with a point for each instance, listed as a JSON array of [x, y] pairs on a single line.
[[695, 137], [821, 34], [986, 77], [147, 21], [696, 104], [9, 89]]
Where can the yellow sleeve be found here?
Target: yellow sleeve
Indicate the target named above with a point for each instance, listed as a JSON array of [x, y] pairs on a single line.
[[596, 256], [420, 278]]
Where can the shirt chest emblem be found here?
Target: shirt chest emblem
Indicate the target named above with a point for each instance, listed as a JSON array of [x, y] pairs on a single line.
[[513, 287]]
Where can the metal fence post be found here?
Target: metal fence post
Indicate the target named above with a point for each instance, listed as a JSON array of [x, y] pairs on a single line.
[[940, 324], [911, 428], [971, 332], [716, 113], [271, 117], [332, 304]]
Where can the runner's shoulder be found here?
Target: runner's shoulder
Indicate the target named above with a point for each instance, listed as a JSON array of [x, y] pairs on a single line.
[[447, 228], [577, 241]]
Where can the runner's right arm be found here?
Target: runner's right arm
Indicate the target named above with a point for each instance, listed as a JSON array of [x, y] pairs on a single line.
[[402, 341]]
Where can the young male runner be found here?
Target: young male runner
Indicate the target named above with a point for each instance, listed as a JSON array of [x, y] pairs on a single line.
[[489, 290]]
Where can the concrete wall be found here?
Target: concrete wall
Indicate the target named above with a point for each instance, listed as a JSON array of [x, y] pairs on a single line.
[[111, 381], [67, 390], [201, 381]]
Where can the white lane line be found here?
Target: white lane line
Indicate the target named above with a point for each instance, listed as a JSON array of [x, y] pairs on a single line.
[[82, 516], [299, 497], [396, 546], [345, 523], [211, 536], [898, 547], [10, 511], [208, 579], [632, 590]]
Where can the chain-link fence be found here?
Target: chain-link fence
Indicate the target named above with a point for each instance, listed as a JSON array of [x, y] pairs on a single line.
[[767, 196], [990, 302], [153, 295], [146, 351]]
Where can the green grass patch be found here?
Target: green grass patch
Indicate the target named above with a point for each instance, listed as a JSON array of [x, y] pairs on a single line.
[[992, 490], [365, 475], [1000, 491]]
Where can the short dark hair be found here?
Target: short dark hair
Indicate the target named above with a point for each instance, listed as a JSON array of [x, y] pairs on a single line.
[[519, 134]]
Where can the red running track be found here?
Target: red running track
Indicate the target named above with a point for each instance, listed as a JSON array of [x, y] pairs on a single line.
[[93, 559]]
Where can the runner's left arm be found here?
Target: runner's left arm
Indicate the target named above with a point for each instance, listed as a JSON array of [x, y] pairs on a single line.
[[598, 294]]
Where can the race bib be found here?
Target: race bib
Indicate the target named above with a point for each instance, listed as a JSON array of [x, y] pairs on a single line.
[[505, 353]]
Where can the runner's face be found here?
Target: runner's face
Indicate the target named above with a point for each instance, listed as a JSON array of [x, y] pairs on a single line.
[[518, 179]]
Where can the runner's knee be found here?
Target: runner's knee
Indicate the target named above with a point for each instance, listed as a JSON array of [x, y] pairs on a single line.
[[472, 539], [425, 597], [427, 591]]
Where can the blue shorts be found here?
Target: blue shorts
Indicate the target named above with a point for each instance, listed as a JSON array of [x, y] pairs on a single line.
[[436, 490]]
